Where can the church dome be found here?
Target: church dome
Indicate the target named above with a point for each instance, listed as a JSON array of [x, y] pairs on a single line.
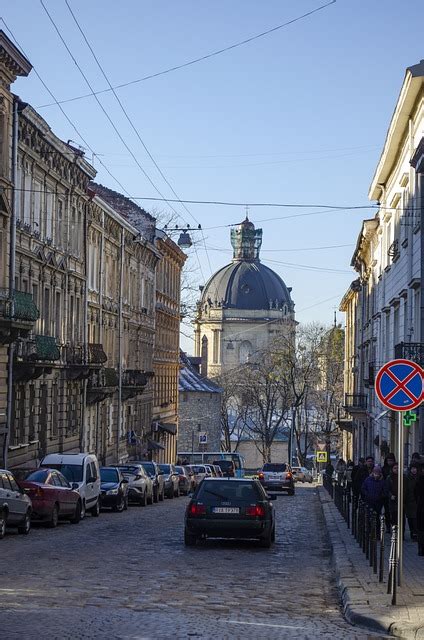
[[245, 283]]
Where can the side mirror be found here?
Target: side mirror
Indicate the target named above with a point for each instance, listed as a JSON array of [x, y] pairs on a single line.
[[190, 495], [91, 480], [74, 485]]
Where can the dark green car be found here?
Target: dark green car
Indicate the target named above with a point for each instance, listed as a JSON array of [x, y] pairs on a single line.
[[230, 508]]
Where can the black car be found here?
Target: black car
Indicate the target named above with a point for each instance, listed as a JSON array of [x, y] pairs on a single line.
[[172, 481], [113, 489], [153, 471], [230, 508]]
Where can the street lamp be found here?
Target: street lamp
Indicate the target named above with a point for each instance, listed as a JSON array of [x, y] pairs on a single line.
[[184, 241]]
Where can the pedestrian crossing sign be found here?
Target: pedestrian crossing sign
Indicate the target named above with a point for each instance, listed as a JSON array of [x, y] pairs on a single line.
[[321, 456]]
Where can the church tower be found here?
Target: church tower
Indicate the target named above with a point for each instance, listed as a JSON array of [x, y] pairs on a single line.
[[243, 306]]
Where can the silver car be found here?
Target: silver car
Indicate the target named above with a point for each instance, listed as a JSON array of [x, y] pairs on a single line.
[[140, 485], [15, 505]]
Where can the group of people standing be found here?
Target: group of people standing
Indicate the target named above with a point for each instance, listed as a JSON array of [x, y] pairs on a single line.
[[378, 487]]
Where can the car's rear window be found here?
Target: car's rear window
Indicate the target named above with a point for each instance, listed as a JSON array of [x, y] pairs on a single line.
[[149, 466], [38, 476], [224, 464], [210, 492], [271, 466], [198, 468], [129, 470]]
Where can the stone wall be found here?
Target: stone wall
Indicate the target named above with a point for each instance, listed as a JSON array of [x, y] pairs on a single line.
[[199, 411]]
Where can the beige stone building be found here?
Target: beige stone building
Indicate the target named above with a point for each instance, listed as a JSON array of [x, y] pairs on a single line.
[[166, 359], [243, 307]]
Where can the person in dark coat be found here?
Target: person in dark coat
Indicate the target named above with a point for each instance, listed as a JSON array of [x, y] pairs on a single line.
[[362, 473], [389, 461], [410, 481], [374, 490], [392, 489], [419, 497]]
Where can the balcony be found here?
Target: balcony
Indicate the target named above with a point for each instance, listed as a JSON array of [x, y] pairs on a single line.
[[35, 357], [344, 420], [101, 384], [411, 351], [133, 383], [355, 403], [76, 367], [96, 354], [18, 313]]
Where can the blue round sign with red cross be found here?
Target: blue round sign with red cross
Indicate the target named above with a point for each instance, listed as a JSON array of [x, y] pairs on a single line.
[[399, 385]]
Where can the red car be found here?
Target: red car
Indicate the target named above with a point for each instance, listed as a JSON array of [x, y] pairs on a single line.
[[51, 494]]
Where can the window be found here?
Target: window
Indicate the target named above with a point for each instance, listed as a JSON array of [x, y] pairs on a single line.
[[36, 218], [73, 231], [60, 225], [18, 193], [58, 316], [27, 197], [48, 227], [46, 311]]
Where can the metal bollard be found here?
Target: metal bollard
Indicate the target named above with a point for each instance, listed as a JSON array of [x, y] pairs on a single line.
[[348, 499], [393, 563], [382, 530], [373, 542], [366, 540]]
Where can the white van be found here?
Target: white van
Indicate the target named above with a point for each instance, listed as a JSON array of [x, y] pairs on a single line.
[[82, 472]]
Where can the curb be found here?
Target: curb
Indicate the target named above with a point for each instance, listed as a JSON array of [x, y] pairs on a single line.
[[355, 603]]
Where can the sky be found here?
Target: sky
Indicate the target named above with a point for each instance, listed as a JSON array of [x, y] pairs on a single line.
[[296, 117]]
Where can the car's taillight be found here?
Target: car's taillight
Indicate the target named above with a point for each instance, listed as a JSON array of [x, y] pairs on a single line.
[[181, 476], [39, 492], [197, 509], [258, 511], [289, 475], [261, 476]]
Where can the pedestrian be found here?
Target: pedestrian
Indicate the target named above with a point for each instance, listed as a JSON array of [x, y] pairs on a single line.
[[419, 497], [348, 474], [389, 461], [416, 457], [340, 470], [410, 501], [374, 490], [363, 473], [393, 496], [329, 470]]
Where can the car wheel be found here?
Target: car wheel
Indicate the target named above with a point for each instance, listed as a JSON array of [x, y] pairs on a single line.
[[3, 518], [291, 492], [151, 498], [83, 510], [25, 527], [126, 503], [162, 495], [120, 505], [144, 499], [155, 495], [77, 515], [171, 493], [54, 518], [177, 493], [266, 542], [95, 511], [189, 539]]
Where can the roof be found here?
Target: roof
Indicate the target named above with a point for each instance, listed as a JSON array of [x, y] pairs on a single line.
[[246, 285], [191, 380]]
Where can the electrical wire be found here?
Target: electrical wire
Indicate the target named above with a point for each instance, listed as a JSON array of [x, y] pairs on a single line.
[[300, 249], [134, 128], [201, 58], [62, 110]]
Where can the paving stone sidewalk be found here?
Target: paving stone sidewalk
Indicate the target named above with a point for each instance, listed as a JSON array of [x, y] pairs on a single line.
[[365, 600]]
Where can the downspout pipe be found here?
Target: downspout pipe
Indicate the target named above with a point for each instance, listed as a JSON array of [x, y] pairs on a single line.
[[83, 437], [120, 350], [12, 261]]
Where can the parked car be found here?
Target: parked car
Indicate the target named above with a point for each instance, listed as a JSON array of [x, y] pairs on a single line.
[[199, 471], [235, 508], [277, 476], [82, 472], [211, 473], [114, 489], [190, 472], [15, 505], [153, 471], [172, 481], [52, 496], [227, 467], [301, 474], [218, 471], [140, 484], [185, 482]]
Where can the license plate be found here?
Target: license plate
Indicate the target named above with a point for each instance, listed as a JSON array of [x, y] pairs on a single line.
[[226, 510]]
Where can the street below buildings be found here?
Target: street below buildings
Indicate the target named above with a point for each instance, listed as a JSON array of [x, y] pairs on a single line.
[[130, 576]]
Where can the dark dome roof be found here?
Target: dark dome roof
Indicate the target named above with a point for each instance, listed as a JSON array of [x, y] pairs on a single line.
[[246, 285]]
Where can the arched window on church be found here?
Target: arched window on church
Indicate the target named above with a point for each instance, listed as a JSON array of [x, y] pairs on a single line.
[[204, 357], [245, 351]]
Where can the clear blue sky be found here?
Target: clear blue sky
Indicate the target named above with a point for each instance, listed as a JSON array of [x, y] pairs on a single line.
[[298, 116]]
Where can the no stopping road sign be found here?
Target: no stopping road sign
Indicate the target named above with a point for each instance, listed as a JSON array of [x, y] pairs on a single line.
[[399, 385]]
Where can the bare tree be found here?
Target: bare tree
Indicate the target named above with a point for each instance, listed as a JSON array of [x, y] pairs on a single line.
[[233, 412]]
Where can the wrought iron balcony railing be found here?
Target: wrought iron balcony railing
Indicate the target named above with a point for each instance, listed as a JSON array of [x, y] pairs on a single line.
[[96, 354], [103, 378], [39, 349], [410, 351], [17, 305], [73, 354], [134, 378], [355, 402]]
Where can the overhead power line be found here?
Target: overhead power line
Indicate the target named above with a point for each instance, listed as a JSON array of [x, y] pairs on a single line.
[[134, 128], [199, 59]]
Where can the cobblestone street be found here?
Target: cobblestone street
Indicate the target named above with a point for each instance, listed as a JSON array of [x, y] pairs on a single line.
[[129, 576]]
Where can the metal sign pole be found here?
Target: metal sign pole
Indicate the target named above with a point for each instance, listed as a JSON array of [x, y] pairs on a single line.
[[400, 497]]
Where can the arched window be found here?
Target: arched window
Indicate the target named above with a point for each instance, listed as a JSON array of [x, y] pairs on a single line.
[[204, 356], [245, 351]]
